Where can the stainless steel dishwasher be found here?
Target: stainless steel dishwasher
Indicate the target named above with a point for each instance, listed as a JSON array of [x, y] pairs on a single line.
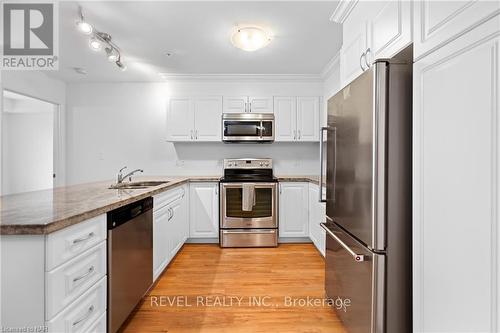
[[130, 259]]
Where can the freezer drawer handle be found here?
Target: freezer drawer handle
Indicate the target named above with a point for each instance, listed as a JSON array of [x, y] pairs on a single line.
[[357, 257], [249, 232]]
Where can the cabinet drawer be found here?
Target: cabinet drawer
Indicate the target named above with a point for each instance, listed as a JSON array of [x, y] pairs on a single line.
[[163, 199], [67, 282], [99, 326], [67, 243], [83, 313]]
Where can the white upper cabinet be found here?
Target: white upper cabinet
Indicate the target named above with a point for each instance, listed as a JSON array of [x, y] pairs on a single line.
[[180, 119], [285, 116], [235, 104], [194, 118], [308, 118], [389, 28], [204, 210], [438, 22], [242, 104], [208, 118], [260, 104], [456, 183], [372, 30], [352, 59], [296, 118]]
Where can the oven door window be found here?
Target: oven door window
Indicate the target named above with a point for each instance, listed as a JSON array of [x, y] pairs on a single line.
[[263, 203], [267, 128], [242, 128]]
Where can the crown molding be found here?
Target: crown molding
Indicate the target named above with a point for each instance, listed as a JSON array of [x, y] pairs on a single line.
[[330, 66], [241, 77], [343, 10]]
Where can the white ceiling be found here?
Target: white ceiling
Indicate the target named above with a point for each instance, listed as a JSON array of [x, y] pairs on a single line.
[[198, 36]]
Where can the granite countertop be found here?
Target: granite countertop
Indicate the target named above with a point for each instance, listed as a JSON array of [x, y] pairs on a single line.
[[46, 211], [301, 178]]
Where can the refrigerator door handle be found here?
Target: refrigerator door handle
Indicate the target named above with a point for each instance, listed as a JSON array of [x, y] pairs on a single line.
[[321, 158], [357, 257]]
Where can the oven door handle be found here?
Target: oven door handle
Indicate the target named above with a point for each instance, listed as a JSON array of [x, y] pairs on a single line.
[[271, 231], [357, 257]]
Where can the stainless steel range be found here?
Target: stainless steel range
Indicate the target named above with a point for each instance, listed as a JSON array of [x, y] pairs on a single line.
[[248, 205]]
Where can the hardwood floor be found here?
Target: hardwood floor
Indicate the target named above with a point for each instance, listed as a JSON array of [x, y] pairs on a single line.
[[195, 293]]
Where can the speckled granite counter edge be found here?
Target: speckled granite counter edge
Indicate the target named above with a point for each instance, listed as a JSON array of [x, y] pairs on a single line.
[[39, 229]]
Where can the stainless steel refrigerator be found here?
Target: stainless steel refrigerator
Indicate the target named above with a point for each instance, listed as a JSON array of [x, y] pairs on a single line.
[[366, 168]]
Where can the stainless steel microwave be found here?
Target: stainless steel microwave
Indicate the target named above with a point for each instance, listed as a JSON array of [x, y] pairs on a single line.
[[247, 127]]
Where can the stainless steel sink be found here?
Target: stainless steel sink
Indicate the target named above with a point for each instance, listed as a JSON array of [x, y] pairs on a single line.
[[137, 185]]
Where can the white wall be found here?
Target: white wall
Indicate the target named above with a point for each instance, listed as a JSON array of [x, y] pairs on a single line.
[[110, 125], [27, 152], [38, 85]]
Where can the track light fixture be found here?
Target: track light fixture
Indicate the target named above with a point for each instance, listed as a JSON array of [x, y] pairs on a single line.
[[100, 41]]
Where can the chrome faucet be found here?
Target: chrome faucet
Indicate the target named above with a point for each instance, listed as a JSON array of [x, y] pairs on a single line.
[[120, 178]]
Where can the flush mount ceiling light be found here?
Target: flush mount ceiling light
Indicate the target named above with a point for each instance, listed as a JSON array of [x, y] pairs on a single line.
[[100, 40], [250, 38]]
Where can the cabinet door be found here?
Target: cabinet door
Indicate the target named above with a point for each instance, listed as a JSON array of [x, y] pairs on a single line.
[[456, 181], [208, 118], [389, 28], [316, 216], [438, 22], [161, 241], [285, 118], [176, 237], [260, 104], [235, 104], [293, 207], [180, 119], [354, 45], [308, 118], [204, 210]]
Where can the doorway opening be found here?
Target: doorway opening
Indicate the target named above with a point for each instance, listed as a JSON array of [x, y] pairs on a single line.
[[29, 143]]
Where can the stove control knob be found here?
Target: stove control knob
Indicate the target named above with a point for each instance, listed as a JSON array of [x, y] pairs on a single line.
[[230, 164], [261, 164], [267, 164]]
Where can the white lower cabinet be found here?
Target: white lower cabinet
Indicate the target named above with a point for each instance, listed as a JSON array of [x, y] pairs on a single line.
[[317, 211], [76, 275], [56, 280], [99, 326], [84, 313], [170, 225], [204, 210], [456, 183], [161, 253], [293, 209]]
